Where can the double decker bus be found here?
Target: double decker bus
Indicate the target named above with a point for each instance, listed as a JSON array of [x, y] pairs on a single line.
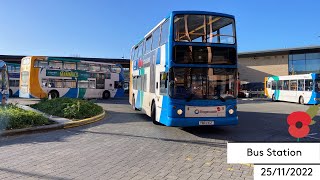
[[4, 83], [184, 71], [14, 78], [302, 88], [61, 77]]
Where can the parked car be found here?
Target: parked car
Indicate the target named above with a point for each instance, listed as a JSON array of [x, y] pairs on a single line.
[[254, 89]]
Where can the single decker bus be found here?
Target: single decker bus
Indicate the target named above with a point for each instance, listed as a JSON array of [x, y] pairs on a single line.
[[184, 71], [302, 88]]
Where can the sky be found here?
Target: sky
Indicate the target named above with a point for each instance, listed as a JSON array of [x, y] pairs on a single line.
[[109, 28]]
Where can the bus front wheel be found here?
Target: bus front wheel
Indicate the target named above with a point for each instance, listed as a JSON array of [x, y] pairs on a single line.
[[153, 114], [134, 104], [54, 94], [106, 95], [301, 100]]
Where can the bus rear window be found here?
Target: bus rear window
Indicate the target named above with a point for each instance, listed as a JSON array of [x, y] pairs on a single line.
[[24, 77]]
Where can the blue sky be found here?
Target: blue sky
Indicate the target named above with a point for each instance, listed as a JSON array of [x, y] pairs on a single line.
[[109, 28]]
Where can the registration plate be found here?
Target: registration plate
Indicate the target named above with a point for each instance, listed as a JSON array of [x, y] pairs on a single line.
[[206, 123]]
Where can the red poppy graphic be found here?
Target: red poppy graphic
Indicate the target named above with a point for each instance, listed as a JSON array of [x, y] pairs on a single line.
[[299, 124]]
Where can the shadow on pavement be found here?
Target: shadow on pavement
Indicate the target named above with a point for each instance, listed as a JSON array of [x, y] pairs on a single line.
[[252, 127]]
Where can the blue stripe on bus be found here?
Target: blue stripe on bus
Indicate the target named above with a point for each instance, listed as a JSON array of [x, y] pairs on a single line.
[[72, 93], [312, 98], [16, 94], [119, 93], [164, 111]]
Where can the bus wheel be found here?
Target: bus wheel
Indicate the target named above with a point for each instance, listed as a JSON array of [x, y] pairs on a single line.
[[301, 100], [273, 97], [153, 115], [106, 95], [10, 93], [54, 94], [134, 104]]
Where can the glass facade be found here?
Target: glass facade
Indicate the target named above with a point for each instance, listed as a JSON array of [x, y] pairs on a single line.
[[304, 63]]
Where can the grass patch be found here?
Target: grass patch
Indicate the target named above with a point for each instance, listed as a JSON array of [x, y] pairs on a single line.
[[12, 117], [69, 108]]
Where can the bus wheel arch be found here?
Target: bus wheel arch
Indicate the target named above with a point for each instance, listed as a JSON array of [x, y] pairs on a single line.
[[133, 103], [54, 94], [301, 100], [106, 94], [154, 113]]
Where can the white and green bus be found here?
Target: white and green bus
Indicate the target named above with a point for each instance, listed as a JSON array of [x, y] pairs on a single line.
[[53, 77], [302, 88]]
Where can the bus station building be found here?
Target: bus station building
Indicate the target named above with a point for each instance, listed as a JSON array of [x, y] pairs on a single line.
[[255, 66]]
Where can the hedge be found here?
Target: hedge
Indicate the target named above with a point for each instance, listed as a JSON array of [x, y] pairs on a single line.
[[12, 117], [69, 108]]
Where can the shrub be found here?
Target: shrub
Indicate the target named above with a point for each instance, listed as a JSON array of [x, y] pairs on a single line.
[[12, 117], [69, 108]]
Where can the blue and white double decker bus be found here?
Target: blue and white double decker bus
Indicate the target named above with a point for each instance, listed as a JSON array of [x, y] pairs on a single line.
[[4, 83], [184, 71]]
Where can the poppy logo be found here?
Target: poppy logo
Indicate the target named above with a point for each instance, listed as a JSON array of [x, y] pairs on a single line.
[[196, 111], [299, 124]]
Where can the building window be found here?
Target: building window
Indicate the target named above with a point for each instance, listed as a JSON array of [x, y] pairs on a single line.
[[304, 63]]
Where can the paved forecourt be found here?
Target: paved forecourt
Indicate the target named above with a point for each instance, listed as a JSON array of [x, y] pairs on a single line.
[[126, 145]]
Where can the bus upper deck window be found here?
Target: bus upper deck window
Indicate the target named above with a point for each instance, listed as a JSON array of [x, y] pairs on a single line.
[[83, 66], [55, 65], [69, 66]]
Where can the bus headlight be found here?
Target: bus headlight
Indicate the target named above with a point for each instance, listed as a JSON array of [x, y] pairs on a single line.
[[179, 111], [231, 111]]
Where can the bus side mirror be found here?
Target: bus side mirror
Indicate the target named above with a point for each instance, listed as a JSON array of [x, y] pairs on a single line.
[[157, 85]]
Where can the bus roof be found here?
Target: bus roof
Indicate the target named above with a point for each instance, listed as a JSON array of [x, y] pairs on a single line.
[[297, 76], [173, 13], [202, 13]]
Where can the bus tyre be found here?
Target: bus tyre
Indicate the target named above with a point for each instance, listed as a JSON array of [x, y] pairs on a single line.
[[106, 95], [301, 100], [54, 94], [273, 97], [134, 104], [10, 93], [153, 115]]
